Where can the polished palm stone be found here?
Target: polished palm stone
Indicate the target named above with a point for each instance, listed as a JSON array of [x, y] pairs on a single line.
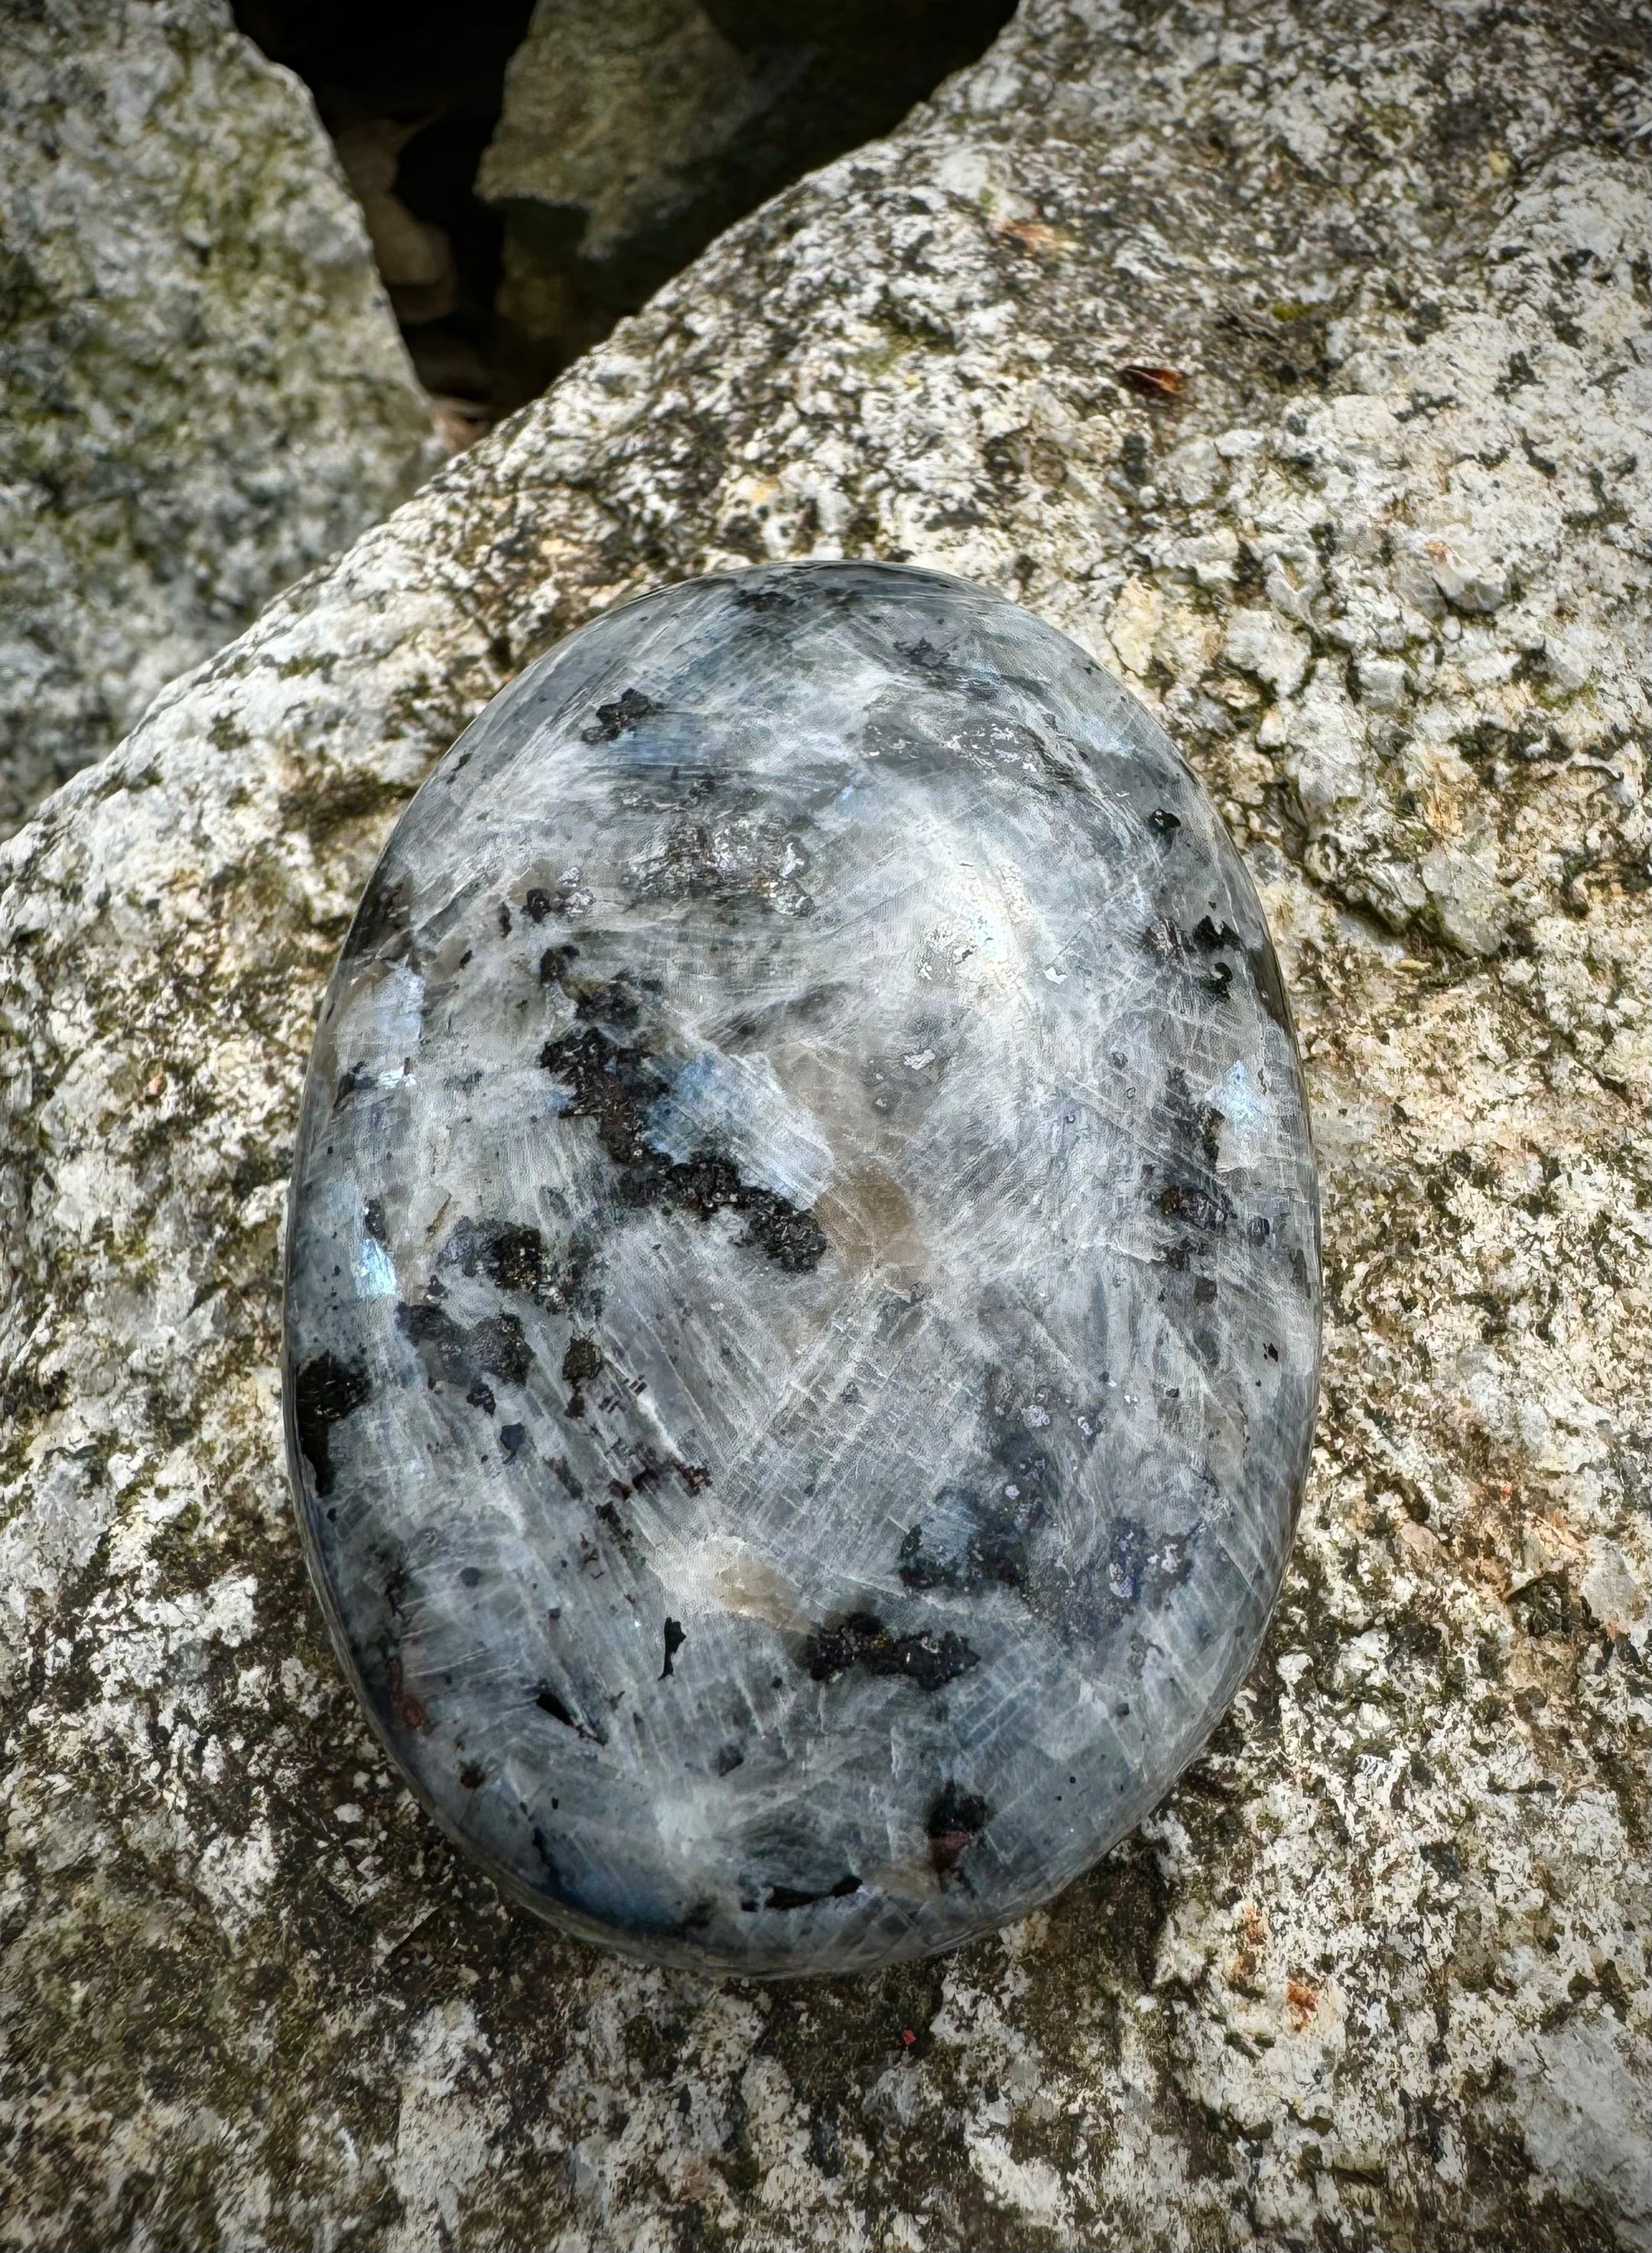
[[803, 1289]]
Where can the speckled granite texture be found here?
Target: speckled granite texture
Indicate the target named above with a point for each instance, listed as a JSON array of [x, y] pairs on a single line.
[[1377, 1974], [803, 1289], [202, 391]]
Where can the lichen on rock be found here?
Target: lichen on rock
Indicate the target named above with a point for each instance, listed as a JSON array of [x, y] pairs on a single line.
[[1295, 359], [202, 391]]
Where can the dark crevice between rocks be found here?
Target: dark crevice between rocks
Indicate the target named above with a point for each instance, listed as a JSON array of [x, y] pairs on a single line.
[[631, 135], [410, 91]]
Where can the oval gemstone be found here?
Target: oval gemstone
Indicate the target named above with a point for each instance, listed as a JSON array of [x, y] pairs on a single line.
[[802, 1313]]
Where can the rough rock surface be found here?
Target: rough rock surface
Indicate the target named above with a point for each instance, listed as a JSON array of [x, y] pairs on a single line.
[[202, 391], [1377, 1972], [610, 112]]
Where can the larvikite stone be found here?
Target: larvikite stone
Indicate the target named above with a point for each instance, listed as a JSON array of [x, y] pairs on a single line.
[[802, 1317]]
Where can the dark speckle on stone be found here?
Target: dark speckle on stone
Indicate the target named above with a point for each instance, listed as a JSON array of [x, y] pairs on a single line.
[[613, 1003], [1444, 1859], [619, 1084], [955, 1821], [616, 719], [513, 1256], [454, 1355], [583, 1361], [676, 1637], [608, 1516], [1211, 937], [997, 1550], [1202, 1205], [862, 1640], [500, 1348], [788, 1897], [328, 1391], [548, 1702]]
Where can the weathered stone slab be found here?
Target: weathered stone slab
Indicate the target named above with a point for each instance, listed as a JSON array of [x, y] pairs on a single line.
[[202, 391], [1375, 547]]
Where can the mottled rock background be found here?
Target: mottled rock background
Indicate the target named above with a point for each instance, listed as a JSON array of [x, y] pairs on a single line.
[[1299, 361], [202, 391]]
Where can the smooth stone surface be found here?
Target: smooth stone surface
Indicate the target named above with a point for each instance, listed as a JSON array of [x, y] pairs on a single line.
[[802, 1296]]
